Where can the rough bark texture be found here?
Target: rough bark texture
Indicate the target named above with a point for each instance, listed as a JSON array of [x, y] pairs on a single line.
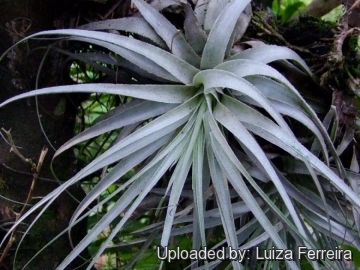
[[19, 18]]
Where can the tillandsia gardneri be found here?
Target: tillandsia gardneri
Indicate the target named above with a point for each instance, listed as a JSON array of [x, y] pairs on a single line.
[[218, 118]]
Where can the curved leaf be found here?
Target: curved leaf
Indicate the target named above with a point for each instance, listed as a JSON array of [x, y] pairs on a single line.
[[116, 173], [240, 186], [134, 25], [172, 37], [194, 34], [183, 71], [242, 23], [180, 174], [298, 115], [223, 199], [198, 168], [216, 78], [172, 157], [269, 53], [213, 11], [200, 10], [247, 67], [118, 120], [142, 62], [297, 150], [218, 40], [228, 120], [159, 93]]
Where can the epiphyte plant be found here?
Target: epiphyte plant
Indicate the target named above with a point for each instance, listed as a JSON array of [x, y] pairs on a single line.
[[216, 118]]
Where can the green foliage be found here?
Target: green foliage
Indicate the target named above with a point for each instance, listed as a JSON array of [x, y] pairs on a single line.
[[91, 109], [226, 147], [288, 8], [285, 9], [334, 15], [356, 255]]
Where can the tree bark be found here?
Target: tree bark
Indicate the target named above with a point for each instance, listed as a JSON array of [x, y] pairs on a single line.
[[353, 9], [318, 8]]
